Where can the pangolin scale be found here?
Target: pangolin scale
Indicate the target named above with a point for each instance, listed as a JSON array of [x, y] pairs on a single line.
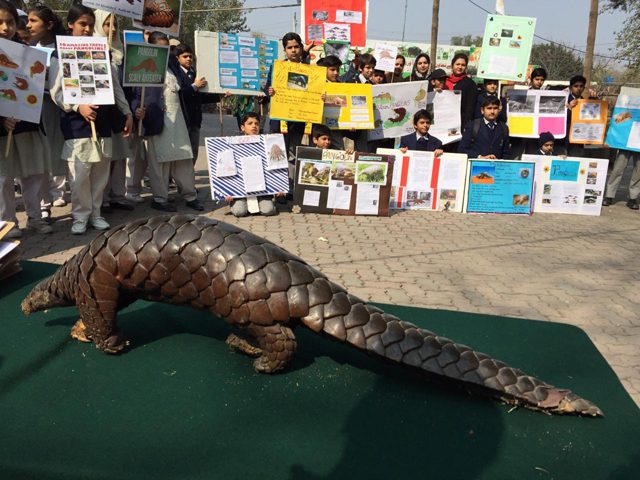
[[267, 292]]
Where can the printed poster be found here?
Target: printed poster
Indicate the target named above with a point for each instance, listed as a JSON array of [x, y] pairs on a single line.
[[133, 36], [532, 112], [244, 62], [500, 186], [128, 8], [145, 65], [330, 20], [624, 129], [506, 48], [298, 91], [385, 56], [86, 70], [588, 122], [348, 105], [160, 16], [22, 79]]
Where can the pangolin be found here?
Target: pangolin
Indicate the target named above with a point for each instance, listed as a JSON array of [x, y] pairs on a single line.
[[148, 65], [266, 291], [157, 13], [401, 113]]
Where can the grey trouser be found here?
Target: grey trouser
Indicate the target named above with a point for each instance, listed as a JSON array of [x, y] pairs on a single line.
[[619, 166]]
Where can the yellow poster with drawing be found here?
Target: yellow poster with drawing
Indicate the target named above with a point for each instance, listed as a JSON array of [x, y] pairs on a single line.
[[298, 91], [348, 105]]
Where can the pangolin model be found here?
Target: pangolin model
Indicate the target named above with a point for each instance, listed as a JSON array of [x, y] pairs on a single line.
[[157, 13], [267, 292]]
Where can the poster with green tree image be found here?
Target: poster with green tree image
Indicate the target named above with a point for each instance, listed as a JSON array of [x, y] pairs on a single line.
[[145, 65]]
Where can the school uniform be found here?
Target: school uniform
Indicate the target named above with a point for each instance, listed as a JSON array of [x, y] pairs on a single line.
[[570, 149], [502, 116], [193, 105], [414, 141], [359, 137], [489, 141]]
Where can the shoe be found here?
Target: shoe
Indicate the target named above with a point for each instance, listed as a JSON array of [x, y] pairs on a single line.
[[163, 206], [46, 215], [196, 205], [633, 204], [59, 202], [171, 199], [607, 201], [281, 200], [106, 209], [134, 197], [122, 206], [99, 223], [79, 227], [15, 232], [38, 225]]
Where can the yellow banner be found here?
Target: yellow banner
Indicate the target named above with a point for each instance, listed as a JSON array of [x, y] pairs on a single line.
[[588, 122], [348, 105], [298, 91]]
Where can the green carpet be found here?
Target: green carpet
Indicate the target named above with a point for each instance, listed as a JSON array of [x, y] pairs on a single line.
[[178, 404]]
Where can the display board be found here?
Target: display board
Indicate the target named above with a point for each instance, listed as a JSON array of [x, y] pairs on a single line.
[[160, 16], [130, 8], [334, 182], [298, 92], [248, 165], [22, 79], [330, 20], [499, 186], [348, 105], [506, 48], [532, 112], [424, 182], [385, 55], [624, 129], [573, 185], [588, 122], [133, 36], [145, 65]]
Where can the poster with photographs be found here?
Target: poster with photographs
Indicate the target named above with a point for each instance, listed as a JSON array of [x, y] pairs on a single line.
[[344, 21], [532, 112], [86, 70], [160, 16], [129, 8], [624, 129]]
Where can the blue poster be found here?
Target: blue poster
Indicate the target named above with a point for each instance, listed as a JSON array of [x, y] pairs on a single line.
[[133, 36], [244, 62], [500, 187], [564, 170], [624, 130]]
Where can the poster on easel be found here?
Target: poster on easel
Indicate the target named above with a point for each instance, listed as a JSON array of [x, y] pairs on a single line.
[[532, 112], [160, 16], [249, 165], [145, 65], [335, 182], [588, 122], [330, 20], [348, 105], [499, 186], [570, 185], [422, 181], [624, 129], [298, 92], [130, 8]]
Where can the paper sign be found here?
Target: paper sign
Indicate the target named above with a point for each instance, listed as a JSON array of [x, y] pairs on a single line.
[[385, 56], [624, 129], [145, 65], [298, 90], [588, 122], [161, 16], [276, 151], [348, 16], [311, 198], [339, 195], [131, 9], [367, 199], [226, 164], [532, 112], [348, 105], [352, 13], [337, 32], [252, 174]]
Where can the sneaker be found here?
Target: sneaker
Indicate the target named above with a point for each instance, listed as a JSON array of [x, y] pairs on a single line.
[[134, 197], [171, 199], [38, 225], [15, 232], [99, 223], [633, 204], [196, 205], [122, 206], [79, 227], [46, 214], [59, 202], [163, 206]]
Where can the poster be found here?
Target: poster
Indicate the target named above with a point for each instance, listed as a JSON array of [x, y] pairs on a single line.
[[22, 79], [506, 48], [385, 56], [424, 182], [348, 105], [588, 122], [532, 112], [343, 21], [571, 186], [298, 91], [160, 16], [337, 49], [395, 105], [133, 36], [86, 70], [624, 129], [129, 8], [239, 167], [145, 65], [500, 186]]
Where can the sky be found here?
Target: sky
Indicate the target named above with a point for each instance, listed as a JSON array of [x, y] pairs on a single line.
[[563, 21]]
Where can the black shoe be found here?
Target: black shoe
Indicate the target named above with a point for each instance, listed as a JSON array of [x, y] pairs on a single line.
[[106, 209], [633, 204], [281, 200], [122, 206], [196, 205], [607, 201], [163, 206]]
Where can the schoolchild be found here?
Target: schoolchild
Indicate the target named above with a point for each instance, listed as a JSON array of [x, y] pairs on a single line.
[[437, 81], [421, 140], [333, 64], [321, 138], [519, 145], [576, 89], [366, 67], [379, 77], [546, 145], [490, 89], [486, 137], [538, 77]]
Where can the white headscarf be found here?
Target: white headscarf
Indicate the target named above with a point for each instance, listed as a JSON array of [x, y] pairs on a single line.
[[117, 49]]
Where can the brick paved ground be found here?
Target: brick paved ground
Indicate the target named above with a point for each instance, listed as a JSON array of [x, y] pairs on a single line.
[[563, 268]]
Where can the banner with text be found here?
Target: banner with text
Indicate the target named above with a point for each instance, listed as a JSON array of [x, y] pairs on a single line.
[[298, 92]]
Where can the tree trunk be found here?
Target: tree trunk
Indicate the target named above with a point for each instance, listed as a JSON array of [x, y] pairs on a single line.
[[591, 41], [434, 32]]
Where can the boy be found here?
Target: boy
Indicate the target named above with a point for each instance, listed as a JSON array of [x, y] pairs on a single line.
[[538, 77], [366, 66], [421, 140], [576, 89], [250, 125], [379, 77], [486, 137], [546, 144], [322, 137], [438, 81], [491, 90], [522, 145], [333, 64]]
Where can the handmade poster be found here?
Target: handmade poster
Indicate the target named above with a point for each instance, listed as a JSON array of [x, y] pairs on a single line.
[[348, 105], [572, 185], [532, 112], [424, 182], [385, 56], [298, 91], [343, 21], [394, 106], [160, 16], [86, 70], [335, 182], [239, 167], [337, 49], [128, 8], [133, 36], [624, 129], [500, 186], [506, 48], [145, 65], [588, 122], [276, 151], [22, 78]]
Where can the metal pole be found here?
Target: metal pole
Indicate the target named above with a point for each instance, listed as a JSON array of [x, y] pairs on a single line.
[[591, 41], [434, 32]]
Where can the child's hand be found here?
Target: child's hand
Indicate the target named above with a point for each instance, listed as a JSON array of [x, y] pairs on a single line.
[[564, 157], [488, 157], [403, 149], [140, 113], [200, 82], [280, 194], [323, 97], [228, 199], [308, 47], [572, 103], [9, 124], [227, 94], [88, 112], [357, 52], [437, 89], [349, 152], [352, 129], [271, 91], [128, 126], [438, 151]]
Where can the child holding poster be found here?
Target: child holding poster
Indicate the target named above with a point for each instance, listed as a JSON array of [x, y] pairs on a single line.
[[28, 157], [421, 140], [366, 67]]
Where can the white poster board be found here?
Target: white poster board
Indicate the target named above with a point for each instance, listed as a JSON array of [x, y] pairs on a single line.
[[126, 8], [385, 56], [532, 112]]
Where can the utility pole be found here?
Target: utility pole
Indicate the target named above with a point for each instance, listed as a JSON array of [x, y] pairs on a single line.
[[404, 25], [591, 41], [434, 32], [295, 23]]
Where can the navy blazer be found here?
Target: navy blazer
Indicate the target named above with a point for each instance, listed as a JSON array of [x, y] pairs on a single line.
[[487, 142], [153, 122], [502, 116], [411, 142]]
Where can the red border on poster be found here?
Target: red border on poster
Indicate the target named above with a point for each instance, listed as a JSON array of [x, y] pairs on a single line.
[[358, 30]]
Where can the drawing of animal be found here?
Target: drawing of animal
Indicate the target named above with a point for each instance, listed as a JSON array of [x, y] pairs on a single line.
[[401, 113], [3, 76], [9, 94], [421, 95], [148, 65], [6, 62], [36, 68], [21, 83], [385, 54], [267, 292], [383, 97], [276, 154]]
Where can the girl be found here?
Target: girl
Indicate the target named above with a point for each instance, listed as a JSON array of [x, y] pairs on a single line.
[[88, 160], [421, 68], [458, 80], [28, 158], [44, 25]]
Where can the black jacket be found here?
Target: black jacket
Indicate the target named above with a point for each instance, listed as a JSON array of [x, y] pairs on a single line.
[[488, 142], [469, 97]]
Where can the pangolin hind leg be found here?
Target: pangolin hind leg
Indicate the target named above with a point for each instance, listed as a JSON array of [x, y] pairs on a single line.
[[278, 346], [245, 344]]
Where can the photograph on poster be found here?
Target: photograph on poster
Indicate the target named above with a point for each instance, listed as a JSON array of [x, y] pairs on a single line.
[[342, 170], [514, 44], [521, 199], [320, 15], [371, 173], [297, 80], [314, 173], [358, 101], [482, 174], [521, 103], [494, 42], [335, 100], [340, 50], [506, 33], [552, 105]]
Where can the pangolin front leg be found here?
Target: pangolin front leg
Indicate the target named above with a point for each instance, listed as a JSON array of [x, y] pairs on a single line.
[[278, 346]]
